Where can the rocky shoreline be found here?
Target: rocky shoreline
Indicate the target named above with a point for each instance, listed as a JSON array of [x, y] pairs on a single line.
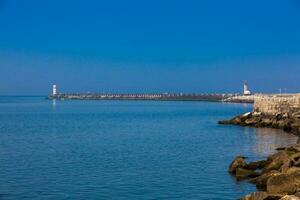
[[276, 178], [289, 122]]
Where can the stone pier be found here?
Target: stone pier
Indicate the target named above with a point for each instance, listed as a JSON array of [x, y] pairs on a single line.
[[273, 104]]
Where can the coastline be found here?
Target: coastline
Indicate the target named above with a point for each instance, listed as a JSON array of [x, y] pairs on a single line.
[[278, 176], [288, 122]]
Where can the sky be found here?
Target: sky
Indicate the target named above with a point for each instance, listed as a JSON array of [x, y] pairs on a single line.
[[149, 46]]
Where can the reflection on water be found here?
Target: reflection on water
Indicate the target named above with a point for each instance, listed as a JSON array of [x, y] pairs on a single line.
[[266, 140], [54, 104]]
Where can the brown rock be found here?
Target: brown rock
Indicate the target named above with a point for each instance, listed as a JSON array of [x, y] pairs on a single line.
[[296, 175], [286, 166], [256, 165], [266, 122], [261, 181], [256, 196], [262, 196], [290, 197], [296, 127], [295, 148], [251, 121], [295, 159], [238, 162], [242, 173], [276, 161], [282, 184], [293, 170]]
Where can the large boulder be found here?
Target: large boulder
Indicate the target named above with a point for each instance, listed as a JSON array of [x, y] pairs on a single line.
[[251, 121], [286, 166], [242, 173], [256, 114], [296, 127], [238, 162], [266, 122], [256, 196], [294, 148], [275, 161], [290, 197], [262, 196], [256, 165], [282, 184], [296, 115], [285, 124], [261, 181], [295, 159], [293, 171]]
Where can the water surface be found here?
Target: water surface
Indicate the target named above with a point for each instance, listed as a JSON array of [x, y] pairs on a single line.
[[124, 149]]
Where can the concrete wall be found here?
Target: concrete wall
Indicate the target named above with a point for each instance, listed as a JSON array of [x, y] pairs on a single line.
[[277, 103]]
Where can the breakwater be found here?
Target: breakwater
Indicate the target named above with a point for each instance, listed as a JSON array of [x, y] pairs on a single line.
[[141, 96], [273, 104]]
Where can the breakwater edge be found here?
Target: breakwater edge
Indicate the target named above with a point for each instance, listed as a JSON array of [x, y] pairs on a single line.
[[213, 97]]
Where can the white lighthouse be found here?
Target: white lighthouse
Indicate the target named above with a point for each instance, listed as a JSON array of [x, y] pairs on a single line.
[[246, 89], [54, 90]]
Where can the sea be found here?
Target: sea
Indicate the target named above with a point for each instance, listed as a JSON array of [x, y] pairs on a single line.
[[127, 150]]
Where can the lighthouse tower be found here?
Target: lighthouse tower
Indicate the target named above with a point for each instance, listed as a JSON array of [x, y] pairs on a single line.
[[246, 89], [54, 90]]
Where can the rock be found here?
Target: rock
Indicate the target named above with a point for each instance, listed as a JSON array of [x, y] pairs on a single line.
[[296, 115], [290, 197], [295, 173], [256, 165], [295, 148], [242, 173], [256, 114], [238, 162], [251, 121], [278, 115], [293, 170], [282, 184], [236, 121], [286, 166], [298, 140], [276, 161], [284, 124], [289, 122], [295, 160], [266, 122], [261, 181], [257, 196], [225, 122], [262, 196]]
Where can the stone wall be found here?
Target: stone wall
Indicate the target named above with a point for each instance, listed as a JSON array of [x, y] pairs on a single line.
[[277, 104]]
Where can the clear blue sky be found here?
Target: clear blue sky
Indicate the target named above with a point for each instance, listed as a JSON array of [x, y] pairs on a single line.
[[149, 45]]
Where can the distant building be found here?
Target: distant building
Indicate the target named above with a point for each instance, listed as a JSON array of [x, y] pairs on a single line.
[[246, 89], [54, 90]]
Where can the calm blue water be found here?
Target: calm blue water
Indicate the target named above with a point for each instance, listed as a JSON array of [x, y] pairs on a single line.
[[124, 149]]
